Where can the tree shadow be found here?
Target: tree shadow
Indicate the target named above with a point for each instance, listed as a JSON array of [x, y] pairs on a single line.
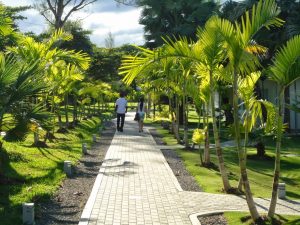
[[11, 184]]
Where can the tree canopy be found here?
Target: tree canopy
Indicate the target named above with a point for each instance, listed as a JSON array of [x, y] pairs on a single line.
[[57, 12], [173, 18]]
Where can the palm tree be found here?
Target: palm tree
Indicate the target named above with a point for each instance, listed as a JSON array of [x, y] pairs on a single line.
[[284, 71], [253, 110], [194, 54], [204, 90], [239, 46], [60, 67], [211, 45], [17, 82]]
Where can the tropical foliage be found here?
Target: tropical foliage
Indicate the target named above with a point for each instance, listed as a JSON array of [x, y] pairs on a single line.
[[227, 52]]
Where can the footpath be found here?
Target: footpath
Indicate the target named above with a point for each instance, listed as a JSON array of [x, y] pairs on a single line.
[[135, 185]]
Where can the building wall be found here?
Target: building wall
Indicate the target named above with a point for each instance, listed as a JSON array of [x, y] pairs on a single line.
[[269, 92], [294, 91]]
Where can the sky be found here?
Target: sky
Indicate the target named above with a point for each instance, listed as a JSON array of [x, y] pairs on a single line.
[[102, 17]]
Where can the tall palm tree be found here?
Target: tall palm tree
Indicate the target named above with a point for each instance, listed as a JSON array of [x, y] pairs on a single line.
[[204, 95], [284, 70], [239, 45], [194, 54], [253, 112], [213, 55]]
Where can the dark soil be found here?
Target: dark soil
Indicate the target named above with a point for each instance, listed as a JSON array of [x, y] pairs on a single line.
[[216, 219], [185, 179], [66, 206]]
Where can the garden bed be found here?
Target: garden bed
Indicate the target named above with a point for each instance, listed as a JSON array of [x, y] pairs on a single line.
[[66, 206]]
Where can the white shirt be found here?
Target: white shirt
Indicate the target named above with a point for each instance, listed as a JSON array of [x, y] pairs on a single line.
[[122, 104]]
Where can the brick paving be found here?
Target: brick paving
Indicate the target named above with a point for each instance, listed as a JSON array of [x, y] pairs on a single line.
[[135, 185]]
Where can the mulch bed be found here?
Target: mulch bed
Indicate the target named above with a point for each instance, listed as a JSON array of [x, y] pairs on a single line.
[[66, 206], [185, 179]]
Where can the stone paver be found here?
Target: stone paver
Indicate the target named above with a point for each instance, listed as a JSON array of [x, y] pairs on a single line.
[[136, 186]]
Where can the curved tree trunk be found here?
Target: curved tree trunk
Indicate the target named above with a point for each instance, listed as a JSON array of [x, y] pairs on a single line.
[[218, 148], [280, 115], [249, 197]]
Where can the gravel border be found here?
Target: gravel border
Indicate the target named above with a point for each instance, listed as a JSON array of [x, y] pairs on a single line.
[[67, 204], [185, 179]]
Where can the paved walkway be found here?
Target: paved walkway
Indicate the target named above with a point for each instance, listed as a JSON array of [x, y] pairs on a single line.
[[135, 185]]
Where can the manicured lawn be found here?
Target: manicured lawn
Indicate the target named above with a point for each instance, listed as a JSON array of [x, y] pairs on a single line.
[[238, 218], [260, 172], [33, 174]]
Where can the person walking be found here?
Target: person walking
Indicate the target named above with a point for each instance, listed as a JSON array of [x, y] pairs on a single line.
[[141, 111], [121, 109]]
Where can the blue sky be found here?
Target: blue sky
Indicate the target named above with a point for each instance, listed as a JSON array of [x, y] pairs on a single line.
[[102, 17]]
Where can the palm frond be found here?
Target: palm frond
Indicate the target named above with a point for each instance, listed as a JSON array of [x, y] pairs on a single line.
[[246, 85], [5, 22], [58, 36], [263, 14], [286, 64]]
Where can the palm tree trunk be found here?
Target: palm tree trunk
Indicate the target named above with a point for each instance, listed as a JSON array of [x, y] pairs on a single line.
[[177, 120], [240, 185], [60, 124], [250, 202], [206, 145], [75, 112], [218, 148], [154, 108], [149, 104], [280, 115], [185, 119], [1, 119], [66, 110], [171, 130]]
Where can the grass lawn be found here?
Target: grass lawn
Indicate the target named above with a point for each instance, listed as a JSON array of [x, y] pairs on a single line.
[[239, 218], [33, 174], [260, 172]]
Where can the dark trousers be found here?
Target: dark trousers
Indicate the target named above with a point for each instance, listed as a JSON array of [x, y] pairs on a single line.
[[120, 116]]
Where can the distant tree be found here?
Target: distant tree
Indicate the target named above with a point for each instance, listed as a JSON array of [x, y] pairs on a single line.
[[104, 65], [128, 2], [81, 40], [57, 12], [173, 18], [13, 14]]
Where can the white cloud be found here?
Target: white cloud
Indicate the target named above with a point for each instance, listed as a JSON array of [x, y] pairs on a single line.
[[102, 17], [123, 25]]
